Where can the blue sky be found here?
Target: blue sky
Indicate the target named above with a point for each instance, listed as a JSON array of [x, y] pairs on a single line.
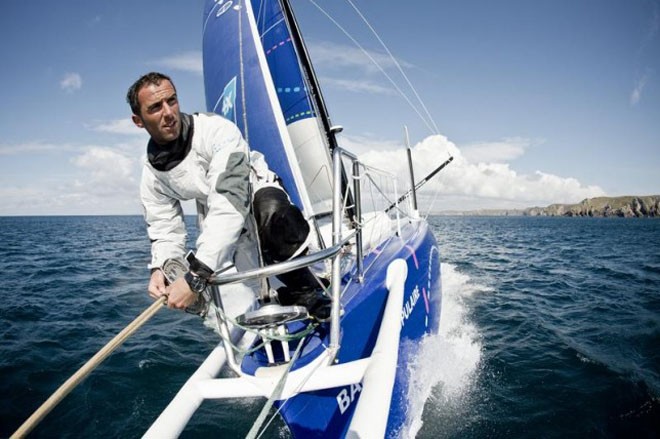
[[540, 102]]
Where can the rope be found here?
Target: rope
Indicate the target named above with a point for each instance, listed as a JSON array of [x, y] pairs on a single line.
[[296, 390], [430, 118], [254, 431], [382, 70], [93, 362]]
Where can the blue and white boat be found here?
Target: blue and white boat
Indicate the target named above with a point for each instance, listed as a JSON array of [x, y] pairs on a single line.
[[349, 376]]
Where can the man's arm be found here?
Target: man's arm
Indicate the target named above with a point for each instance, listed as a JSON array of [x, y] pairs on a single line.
[[165, 226], [167, 232]]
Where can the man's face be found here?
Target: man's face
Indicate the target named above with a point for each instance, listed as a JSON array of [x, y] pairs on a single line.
[[159, 112]]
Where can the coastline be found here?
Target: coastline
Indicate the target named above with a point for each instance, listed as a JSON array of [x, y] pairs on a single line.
[[632, 206]]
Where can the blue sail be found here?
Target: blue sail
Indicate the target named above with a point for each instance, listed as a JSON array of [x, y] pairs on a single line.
[[255, 80], [282, 60]]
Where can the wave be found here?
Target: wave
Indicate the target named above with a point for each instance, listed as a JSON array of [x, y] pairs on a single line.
[[445, 370]]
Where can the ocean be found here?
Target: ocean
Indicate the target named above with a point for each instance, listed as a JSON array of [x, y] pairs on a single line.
[[550, 328]]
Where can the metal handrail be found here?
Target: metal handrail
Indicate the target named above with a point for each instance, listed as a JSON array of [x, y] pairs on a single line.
[[280, 267], [333, 252]]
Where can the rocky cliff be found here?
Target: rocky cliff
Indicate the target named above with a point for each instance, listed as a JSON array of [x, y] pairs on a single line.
[[629, 206]]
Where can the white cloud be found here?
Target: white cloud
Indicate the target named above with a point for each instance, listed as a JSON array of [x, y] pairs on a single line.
[[32, 147], [106, 171], [502, 151], [636, 94], [190, 61], [362, 144], [119, 126], [354, 69], [81, 179], [104, 180], [476, 184], [71, 82], [92, 22], [63, 198], [344, 57], [359, 86], [18, 200]]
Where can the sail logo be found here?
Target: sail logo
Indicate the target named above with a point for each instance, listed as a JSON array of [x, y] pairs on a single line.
[[228, 100], [409, 305], [224, 7], [345, 399]]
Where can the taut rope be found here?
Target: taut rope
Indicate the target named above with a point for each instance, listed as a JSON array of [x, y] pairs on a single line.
[[93, 362]]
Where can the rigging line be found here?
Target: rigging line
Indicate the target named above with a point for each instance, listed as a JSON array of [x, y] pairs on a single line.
[[295, 391], [242, 68], [259, 17], [87, 368], [256, 431], [405, 97], [397, 65], [378, 189], [436, 196]]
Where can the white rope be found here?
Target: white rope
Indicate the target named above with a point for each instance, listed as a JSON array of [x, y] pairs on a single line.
[[254, 431], [295, 392], [88, 367], [403, 95], [397, 65]]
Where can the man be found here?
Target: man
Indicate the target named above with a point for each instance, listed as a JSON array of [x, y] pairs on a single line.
[[204, 157]]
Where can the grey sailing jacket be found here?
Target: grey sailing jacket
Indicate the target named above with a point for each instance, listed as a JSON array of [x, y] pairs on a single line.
[[217, 172]]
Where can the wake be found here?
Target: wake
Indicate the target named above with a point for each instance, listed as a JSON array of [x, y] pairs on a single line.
[[444, 372]]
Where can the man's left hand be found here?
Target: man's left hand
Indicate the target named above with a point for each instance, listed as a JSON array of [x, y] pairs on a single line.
[[180, 295]]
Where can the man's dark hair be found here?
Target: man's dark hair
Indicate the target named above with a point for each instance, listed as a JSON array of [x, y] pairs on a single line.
[[149, 78]]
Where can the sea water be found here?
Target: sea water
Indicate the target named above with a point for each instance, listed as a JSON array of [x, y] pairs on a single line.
[[550, 328]]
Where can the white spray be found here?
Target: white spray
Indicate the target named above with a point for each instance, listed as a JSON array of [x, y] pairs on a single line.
[[445, 369]]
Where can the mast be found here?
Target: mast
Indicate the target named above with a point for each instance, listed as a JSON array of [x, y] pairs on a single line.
[[315, 93], [310, 75], [412, 173]]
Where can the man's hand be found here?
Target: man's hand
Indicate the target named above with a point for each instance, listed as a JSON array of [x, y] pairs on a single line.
[[180, 295], [156, 284]]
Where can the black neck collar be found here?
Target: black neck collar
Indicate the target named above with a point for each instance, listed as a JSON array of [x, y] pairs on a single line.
[[166, 157]]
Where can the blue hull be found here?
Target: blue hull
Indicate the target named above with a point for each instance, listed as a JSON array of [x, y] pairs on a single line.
[[328, 413]]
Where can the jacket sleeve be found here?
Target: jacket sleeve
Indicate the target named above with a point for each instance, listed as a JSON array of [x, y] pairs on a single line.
[[164, 218], [228, 199]]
